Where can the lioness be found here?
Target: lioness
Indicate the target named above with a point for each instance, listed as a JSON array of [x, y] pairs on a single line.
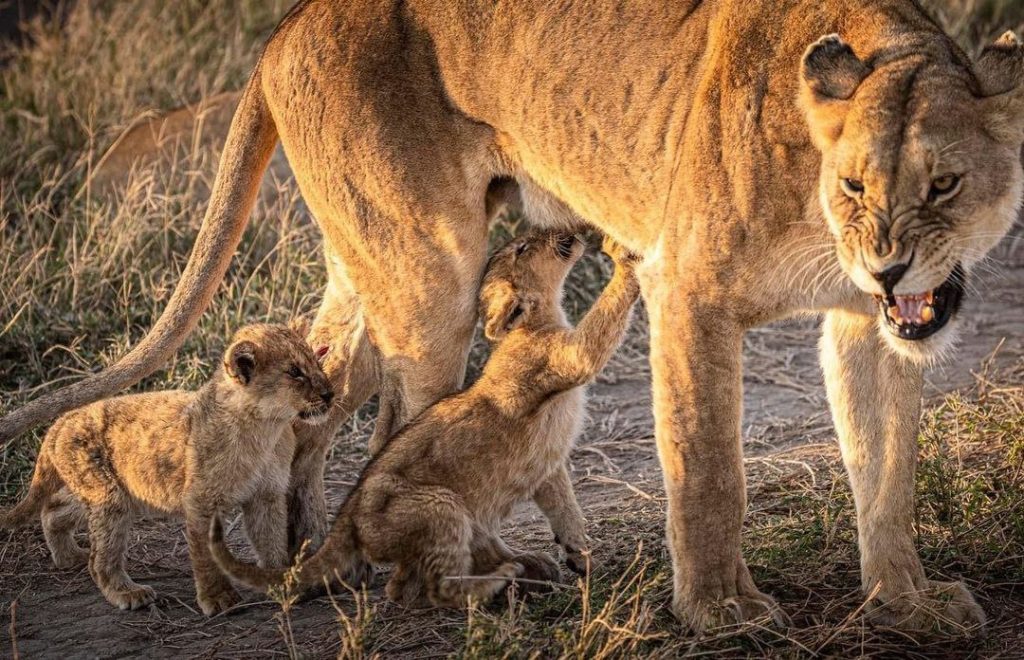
[[759, 172], [185, 453], [433, 499]]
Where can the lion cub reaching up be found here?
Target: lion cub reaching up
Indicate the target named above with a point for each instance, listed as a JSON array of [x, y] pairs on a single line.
[[433, 500], [184, 453]]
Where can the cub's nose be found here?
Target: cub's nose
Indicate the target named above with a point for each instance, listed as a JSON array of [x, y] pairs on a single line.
[[327, 396], [891, 276]]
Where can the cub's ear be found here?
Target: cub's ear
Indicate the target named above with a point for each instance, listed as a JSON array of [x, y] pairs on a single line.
[[240, 361], [300, 326], [830, 73], [1000, 74], [505, 310]]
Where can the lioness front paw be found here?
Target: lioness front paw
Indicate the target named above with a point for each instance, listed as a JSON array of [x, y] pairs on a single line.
[[132, 597], [217, 600], [705, 615], [945, 608]]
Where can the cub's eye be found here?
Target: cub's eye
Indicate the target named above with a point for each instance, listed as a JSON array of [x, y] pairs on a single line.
[[296, 373], [944, 187], [521, 249], [851, 187]]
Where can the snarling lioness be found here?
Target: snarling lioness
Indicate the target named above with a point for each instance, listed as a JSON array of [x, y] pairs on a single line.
[[760, 171]]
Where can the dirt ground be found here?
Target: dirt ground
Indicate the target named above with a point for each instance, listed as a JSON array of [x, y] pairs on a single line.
[[55, 613]]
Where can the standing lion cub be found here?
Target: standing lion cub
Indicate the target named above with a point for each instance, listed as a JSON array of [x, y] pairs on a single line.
[[183, 453], [433, 500]]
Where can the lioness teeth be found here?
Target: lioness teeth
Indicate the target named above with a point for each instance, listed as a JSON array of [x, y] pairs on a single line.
[[915, 308]]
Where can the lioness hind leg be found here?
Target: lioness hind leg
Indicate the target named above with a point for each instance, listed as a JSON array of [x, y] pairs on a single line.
[[875, 396], [109, 524], [62, 516]]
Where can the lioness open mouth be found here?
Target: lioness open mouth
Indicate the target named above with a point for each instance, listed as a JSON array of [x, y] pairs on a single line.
[[921, 315]]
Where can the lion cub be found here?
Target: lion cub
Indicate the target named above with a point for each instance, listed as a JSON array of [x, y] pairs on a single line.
[[433, 500], [184, 453]]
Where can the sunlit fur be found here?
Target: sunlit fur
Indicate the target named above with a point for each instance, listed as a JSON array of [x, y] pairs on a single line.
[[186, 454], [914, 118], [674, 127], [433, 501]]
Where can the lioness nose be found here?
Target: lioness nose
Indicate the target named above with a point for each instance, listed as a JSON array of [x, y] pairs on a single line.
[[891, 276], [327, 396]]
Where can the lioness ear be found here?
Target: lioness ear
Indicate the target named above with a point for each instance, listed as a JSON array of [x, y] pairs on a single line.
[[1000, 75], [505, 312], [240, 362], [830, 73]]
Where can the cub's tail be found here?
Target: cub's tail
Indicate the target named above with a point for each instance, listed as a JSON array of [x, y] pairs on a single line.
[[338, 557], [45, 482]]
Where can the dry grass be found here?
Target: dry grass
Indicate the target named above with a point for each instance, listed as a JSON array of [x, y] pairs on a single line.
[[83, 277], [801, 546]]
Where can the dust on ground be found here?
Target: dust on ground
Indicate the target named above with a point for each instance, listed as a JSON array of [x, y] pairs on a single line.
[[616, 474]]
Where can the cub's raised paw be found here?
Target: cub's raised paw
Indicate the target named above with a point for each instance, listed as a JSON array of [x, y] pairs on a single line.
[[217, 600], [944, 608], [619, 253], [132, 598]]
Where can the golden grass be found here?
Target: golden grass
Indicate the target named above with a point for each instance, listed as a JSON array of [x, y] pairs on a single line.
[[82, 278]]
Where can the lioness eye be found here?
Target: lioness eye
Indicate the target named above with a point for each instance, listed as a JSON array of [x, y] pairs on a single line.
[[851, 187], [296, 373], [521, 249], [943, 186]]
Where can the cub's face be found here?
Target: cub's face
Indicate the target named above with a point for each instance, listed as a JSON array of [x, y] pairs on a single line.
[[525, 278], [920, 176], [273, 368]]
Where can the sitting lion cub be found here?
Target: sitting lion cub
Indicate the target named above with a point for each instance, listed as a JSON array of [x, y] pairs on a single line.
[[185, 453], [433, 500]]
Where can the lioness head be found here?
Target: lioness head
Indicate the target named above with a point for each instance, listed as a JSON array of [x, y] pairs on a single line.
[[920, 174], [273, 368], [524, 281]]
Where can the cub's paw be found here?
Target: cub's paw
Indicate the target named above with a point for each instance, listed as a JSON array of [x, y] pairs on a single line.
[[71, 559], [707, 615], [406, 589], [217, 600], [944, 608], [132, 597], [580, 560], [618, 253], [360, 574], [539, 566]]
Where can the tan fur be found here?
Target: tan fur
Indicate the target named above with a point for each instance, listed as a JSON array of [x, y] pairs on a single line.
[[698, 134], [180, 453], [433, 499]]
